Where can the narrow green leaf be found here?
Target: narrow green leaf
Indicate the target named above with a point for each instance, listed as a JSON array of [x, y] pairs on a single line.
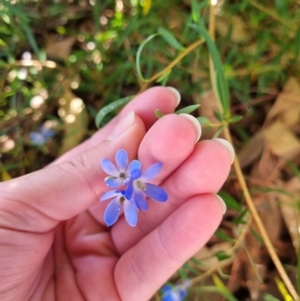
[[220, 85], [96, 13], [223, 289], [221, 255], [257, 236], [223, 236], [170, 39], [218, 132], [138, 57], [158, 113], [239, 219], [109, 108], [164, 78], [230, 201], [219, 116], [235, 119], [294, 168], [268, 297], [31, 38], [188, 109], [25, 24], [203, 120]]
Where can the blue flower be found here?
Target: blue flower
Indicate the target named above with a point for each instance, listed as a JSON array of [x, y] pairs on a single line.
[[143, 189], [41, 136], [113, 210], [175, 293], [134, 190], [123, 172]]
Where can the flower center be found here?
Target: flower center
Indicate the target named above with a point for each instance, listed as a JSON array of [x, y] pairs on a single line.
[[122, 200], [123, 175], [140, 185]]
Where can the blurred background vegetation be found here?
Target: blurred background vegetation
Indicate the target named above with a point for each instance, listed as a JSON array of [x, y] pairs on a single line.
[[63, 61]]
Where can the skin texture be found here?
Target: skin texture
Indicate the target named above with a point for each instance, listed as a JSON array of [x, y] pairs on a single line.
[[54, 242]]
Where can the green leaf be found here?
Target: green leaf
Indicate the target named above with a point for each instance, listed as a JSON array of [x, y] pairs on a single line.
[[230, 201], [203, 120], [25, 25], [235, 119], [170, 39], [188, 109], [239, 220], [164, 78], [138, 57], [223, 289], [223, 236], [268, 297], [257, 236], [220, 85], [218, 116], [221, 255], [109, 108], [158, 113], [219, 131]]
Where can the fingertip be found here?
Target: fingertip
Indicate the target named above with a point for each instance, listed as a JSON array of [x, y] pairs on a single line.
[[176, 95], [195, 123], [223, 204], [228, 146], [157, 98]]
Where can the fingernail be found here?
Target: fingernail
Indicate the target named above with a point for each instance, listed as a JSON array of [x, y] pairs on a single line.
[[176, 94], [228, 146], [122, 126], [224, 207], [195, 123]]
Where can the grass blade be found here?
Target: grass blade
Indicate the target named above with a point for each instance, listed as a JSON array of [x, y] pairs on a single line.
[[111, 107]]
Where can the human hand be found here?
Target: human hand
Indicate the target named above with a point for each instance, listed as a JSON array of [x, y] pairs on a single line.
[[54, 241]]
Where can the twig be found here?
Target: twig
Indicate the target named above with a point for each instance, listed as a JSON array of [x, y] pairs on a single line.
[[272, 14], [249, 201], [172, 64]]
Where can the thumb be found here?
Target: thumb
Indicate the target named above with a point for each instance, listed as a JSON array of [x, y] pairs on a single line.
[[38, 201]]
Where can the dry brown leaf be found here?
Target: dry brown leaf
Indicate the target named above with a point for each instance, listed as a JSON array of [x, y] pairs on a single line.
[[287, 105], [237, 26], [281, 140], [59, 49], [289, 209], [252, 150]]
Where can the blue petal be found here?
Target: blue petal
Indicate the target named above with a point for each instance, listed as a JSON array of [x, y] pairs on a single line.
[[140, 200], [182, 293], [152, 172], [155, 192], [110, 194], [113, 182], [169, 296], [166, 288], [112, 212], [46, 132], [130, 212], [135, 174], [129, 191], [135, 164], [172, 295], [36, 138], [122, 160], [109, 168]]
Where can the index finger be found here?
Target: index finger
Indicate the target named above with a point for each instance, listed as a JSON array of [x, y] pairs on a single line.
[[165, 99]]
